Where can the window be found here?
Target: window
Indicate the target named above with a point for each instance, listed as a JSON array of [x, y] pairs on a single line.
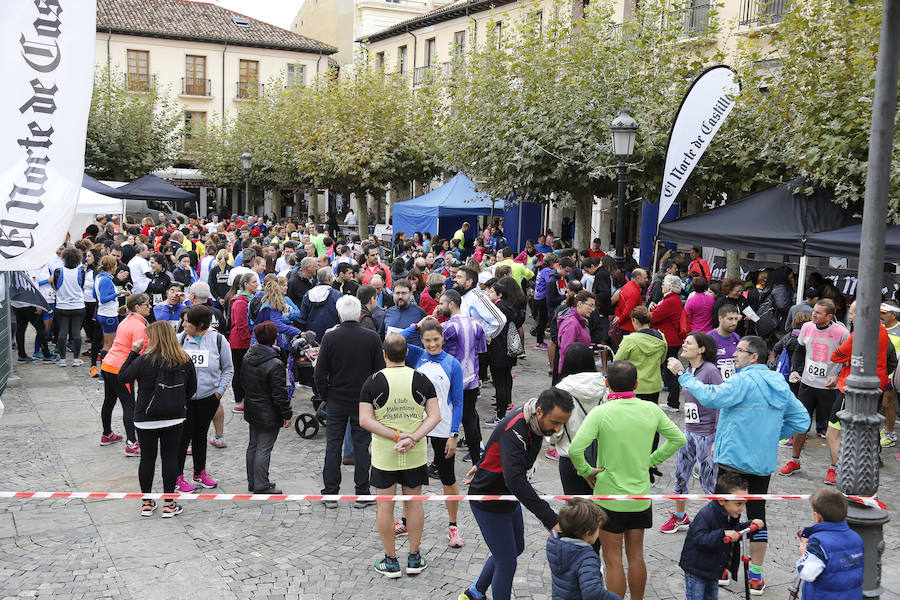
[[138, 76], [379, 61], [248, 82], [296, 74], [194, 124], [242, 22], [498, 31], [537, 21], [430, 52], [195, 76], [401, 60], [459, 43]]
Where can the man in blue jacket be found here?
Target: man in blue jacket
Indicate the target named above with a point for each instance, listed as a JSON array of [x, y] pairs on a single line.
[[318, 310], [404, 313], [756, 409]]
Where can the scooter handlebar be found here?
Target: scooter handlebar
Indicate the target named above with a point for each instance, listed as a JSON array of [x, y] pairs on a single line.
[[741, 533]]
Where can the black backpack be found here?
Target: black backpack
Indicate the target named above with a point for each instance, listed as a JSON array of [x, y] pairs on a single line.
[[169, 398]]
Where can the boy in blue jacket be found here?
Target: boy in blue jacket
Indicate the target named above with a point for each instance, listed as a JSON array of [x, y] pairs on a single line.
[[574, 564], [831, 566], [705, 555]]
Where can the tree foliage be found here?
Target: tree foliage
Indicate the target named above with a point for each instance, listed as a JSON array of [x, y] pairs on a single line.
[[130, 134]]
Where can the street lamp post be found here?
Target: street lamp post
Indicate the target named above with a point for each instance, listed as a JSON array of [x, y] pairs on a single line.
[[246, 158], [857, 472], [624, 130]]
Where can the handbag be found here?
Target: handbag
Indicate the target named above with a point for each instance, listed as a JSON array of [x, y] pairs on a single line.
[[513, 341]]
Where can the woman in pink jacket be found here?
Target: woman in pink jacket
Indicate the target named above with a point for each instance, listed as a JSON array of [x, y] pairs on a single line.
[[239, 333], [130, 330], [573, 326]]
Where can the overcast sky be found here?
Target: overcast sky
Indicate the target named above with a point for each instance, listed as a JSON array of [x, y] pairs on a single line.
[[276, 12]]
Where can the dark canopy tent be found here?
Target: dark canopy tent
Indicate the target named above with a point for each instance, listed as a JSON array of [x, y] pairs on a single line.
[[775, 221], [92, 184], [845, 242], [151, 186]]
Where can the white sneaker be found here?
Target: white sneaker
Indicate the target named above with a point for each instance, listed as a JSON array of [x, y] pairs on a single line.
[[77, 362], [670, 409], [61, 362]]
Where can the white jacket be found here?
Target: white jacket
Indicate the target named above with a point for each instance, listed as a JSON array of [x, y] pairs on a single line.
[[588, 390]]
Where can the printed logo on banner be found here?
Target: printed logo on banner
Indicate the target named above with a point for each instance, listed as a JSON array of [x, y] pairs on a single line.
[[44, 108]]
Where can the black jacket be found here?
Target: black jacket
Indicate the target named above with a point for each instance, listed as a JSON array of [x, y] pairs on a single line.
[[496, 349], [348, 355], [367, 320], [218, 285], [298, 285], [266, 403], [704, 554], [509, 454], [348, 288], [140, 368], [602, 289]]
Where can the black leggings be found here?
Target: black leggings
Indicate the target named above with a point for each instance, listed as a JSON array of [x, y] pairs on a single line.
[[113, 391], [69, 322], [540, 328], [670, 380], [166, 440], [502, 378], [92, 330], [237, 357], [470, 424], [24, 316], [200, 414]]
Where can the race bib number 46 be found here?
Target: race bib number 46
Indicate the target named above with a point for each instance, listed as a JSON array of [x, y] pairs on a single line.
[[200, 358], [691, 413]]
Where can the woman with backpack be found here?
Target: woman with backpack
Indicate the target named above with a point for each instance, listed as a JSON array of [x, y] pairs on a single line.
[[237, 310], [272, 307], [68, 281], [211, 356], [509, 298], [165, 379]]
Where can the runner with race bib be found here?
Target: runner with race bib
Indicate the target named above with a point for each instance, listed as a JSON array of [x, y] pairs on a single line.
[[812, 364], [726, 339]]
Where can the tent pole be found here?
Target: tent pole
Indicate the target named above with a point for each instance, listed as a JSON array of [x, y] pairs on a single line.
[[655, 251], [519, 235], [801, 278]]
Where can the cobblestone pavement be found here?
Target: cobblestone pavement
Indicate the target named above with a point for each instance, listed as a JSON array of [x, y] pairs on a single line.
[[102, 549]]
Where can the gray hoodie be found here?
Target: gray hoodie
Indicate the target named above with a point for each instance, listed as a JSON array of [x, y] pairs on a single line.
[[588, 390], [212, 361]]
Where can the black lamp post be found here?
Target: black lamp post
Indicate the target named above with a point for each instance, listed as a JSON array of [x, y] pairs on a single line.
[[624, 130], [246, 158]]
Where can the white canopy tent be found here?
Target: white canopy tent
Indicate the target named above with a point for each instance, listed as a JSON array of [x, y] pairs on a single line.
[[90, 204]]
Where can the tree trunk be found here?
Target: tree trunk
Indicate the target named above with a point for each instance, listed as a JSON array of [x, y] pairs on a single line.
[[362, 212], [732, 263], [584, 204]]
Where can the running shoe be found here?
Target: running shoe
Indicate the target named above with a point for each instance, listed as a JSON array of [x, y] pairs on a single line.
[[61, 363], [831, 476], [330, 503], [132, 449], [674, 524], [492, 421], [171, 510], [77, 362], [757, 585], [888, 439], [183, 487], [25, 359], [363, 503], [389, 567], [50, 358], [190, 448], [415, 564], [521, 355], [467, 457], [725, 579], [148, 509], [787, 442], [471, 595], [204, 480], [400, 529], [671, 409], [218, 442], [540, 346], [789, 468], [112, 438], [433, 471], [552, 453], [453, 536], [38, 355], [819, 434], [238, 408], [95, 372]]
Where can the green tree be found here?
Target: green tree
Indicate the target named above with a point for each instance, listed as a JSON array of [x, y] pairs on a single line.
[[130, 134]]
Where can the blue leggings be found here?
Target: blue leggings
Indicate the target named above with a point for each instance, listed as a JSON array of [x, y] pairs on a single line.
[[504, 534]]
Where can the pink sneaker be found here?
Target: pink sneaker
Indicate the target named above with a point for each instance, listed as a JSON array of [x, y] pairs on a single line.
[[453, 536], [552, 453], [674, 524], [204, 480], [183, 487], [132, 449], [112, 438]]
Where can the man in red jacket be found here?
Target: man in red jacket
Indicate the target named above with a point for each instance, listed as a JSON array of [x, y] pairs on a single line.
[[698, 265], [629, 297], [887, 362]]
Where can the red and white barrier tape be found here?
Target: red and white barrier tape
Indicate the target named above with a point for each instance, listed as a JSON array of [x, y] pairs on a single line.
[[871, 501]]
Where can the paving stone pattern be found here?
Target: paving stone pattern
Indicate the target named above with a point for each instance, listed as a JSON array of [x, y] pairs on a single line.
[[49, 437]]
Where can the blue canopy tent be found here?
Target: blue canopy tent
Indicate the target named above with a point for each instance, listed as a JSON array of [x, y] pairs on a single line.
[[442, 211]]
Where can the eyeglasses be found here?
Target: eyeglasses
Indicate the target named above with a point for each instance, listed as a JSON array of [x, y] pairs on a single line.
[[742, 350]]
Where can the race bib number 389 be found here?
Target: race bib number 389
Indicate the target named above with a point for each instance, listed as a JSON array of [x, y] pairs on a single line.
[[200, 358]]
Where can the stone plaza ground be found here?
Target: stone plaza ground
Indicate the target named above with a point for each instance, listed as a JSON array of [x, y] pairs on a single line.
[[49, 437]]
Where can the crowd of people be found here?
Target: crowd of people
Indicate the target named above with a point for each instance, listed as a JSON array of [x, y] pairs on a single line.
[[410, 332]]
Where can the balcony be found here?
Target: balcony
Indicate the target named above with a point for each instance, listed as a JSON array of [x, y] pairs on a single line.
[[192, 86], [137, 82], [693, 21], [248, 89], [422, 75], [756, 13]]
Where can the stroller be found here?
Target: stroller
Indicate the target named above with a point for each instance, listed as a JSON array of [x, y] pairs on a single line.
[[302, 355]]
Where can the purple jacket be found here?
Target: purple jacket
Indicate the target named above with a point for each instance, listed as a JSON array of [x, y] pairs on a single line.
[[572, 328]]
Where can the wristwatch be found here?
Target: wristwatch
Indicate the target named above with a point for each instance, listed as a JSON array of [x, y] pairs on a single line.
[[454, 434]]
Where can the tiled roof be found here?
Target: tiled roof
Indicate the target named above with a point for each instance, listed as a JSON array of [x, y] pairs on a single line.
[[198, 21], [447, 12]]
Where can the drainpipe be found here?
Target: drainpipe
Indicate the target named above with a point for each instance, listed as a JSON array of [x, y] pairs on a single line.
[[108, 54], [415, 44], [223, 82]]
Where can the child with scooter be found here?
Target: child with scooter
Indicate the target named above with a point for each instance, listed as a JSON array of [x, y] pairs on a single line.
[[709, 547], [831, 565]]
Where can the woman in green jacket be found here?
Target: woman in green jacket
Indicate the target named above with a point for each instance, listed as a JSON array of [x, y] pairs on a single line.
[[646, 350]]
